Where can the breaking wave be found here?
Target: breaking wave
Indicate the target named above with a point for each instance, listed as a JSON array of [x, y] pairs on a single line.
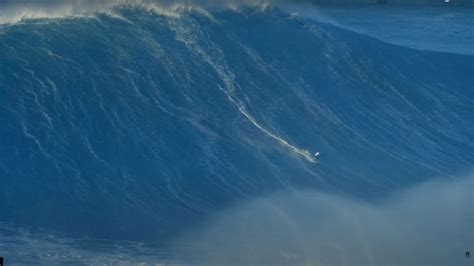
[[136, 125]]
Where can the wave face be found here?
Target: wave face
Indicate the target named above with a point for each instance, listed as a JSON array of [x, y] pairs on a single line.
[[140, 125]]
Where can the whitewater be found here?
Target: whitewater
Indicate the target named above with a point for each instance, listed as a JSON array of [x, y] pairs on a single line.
[[133, 133]]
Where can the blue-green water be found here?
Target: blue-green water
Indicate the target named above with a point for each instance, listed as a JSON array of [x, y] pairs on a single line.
[[126, 135]]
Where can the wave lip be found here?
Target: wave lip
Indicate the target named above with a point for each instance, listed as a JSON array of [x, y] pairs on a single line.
[[20, 11]]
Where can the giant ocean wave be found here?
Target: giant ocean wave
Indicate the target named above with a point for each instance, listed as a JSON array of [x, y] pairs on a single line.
[[141, 125]]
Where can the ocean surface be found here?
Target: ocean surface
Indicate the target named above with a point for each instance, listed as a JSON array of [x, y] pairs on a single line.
[[149, 136]]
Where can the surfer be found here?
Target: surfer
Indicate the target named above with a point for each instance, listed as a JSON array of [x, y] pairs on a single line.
[[316, 157]]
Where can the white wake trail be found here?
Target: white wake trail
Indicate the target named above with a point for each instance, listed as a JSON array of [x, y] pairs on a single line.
[[304, 153], [185, 35]]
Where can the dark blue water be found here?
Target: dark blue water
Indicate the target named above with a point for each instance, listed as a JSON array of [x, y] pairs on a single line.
[[142, 126]]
